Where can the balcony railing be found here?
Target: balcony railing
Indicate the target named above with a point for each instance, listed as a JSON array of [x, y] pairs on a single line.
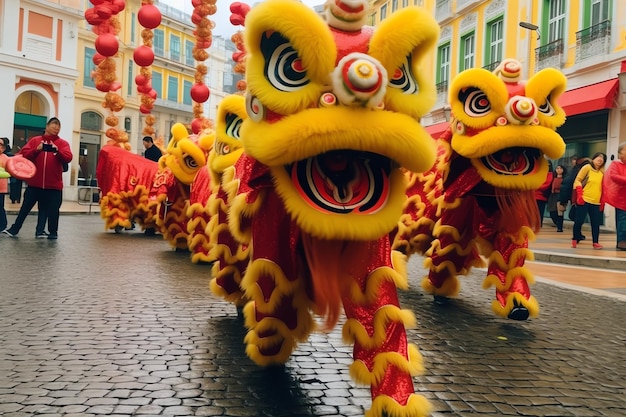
[[593, 41], [442, 87], [491, 67], [550, 55]]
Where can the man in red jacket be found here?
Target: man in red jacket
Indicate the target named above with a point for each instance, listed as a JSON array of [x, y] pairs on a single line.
[[49, 153]]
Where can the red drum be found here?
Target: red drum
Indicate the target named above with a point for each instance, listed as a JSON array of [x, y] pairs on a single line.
[[20, 168]]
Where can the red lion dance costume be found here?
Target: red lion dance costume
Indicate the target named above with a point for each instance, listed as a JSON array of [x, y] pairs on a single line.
[[333, 114], [478, 198]]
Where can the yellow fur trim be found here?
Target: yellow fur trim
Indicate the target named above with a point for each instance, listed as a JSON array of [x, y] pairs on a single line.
[[549, 83], [240, 210], [521, 271], [283, 286], [309, 36], [450, 288], [516, 255], [341, 226], [531, 305], [373, 283], [382, 361], [409, 33], [184, 157], [491, 85], [384, 406], [311, 132], [353, 330], [227, 135]]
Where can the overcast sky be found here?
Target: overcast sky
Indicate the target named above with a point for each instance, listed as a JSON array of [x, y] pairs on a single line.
[[222, 16]]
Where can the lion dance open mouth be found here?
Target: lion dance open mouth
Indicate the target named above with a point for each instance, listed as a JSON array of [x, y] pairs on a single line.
[[478, 198], [333, 109]]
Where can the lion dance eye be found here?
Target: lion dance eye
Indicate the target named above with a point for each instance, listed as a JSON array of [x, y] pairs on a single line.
[[476, 102], [283, 68], [254, 108], [547, 108]]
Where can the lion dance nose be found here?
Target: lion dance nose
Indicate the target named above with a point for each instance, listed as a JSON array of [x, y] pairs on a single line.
[[522, 110], [360, 80]]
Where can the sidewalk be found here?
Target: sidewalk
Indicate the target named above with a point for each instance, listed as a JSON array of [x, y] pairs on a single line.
[[550, 246]]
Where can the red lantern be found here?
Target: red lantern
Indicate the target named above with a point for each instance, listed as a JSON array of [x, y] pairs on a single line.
[[152, 94], [97, 58], [149, 16], [141, 79], [143, 56], [107, 44], [196, 126], [145, 109], [200, 93]]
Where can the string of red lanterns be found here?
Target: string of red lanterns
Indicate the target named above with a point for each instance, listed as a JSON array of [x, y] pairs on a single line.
[[105, 24], [237, 18], [149, 16], [200, 91]]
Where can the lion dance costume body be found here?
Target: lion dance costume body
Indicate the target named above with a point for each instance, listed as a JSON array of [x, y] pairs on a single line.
[[478, 198], [333, 114]]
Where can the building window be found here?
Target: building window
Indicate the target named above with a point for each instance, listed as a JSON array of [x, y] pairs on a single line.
[[495, 41], [133, 25], [383, 12], [91, 120], [189, 60], [394, 5], [405, 3], [468, 51], [443, 74], [131, 81], [556, 20], [600, 11], [172, 89], [157, 83], [187, 93], [175, 48], [158, 43], [88, 68]]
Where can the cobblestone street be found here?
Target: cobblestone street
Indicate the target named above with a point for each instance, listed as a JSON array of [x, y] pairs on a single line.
[[102, 324]]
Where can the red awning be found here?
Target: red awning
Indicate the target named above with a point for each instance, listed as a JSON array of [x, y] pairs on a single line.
[[437, 130], [590, 98]]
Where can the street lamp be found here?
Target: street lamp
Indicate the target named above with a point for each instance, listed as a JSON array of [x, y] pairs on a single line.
[[530, 26]]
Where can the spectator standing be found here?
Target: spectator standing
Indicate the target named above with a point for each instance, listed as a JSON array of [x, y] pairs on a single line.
[[4, 182], [543, 192], [588, 190], [556, 209], [566, 195], [614, 183], [49, 153], [152, 151]]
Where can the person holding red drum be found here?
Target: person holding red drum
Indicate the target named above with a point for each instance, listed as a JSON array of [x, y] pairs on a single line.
[[49, 153]]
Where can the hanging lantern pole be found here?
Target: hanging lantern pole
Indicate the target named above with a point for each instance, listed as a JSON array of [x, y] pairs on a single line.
[[204, 38], [105, 24]]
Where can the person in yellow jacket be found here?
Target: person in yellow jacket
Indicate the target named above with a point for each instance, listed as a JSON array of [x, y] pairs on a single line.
[[588, 192]]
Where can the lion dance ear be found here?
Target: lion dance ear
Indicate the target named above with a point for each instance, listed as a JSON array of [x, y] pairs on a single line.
[[400, 44]]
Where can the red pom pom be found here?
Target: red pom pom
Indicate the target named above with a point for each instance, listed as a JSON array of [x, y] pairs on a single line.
[[97, 58], [200, 93], [149, 16], [107, 44], [143, 56], [196, 126]]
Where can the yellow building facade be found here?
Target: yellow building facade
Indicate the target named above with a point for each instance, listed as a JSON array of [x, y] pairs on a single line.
[[46, 69], [585, 39]]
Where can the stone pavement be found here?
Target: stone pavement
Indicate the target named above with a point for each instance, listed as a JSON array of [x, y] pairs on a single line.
[[104, 324]]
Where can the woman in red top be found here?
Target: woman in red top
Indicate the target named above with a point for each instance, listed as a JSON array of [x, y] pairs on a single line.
[[614, 183], [542, 193], [555, 208]]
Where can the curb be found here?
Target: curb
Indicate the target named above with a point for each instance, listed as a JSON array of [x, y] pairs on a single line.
[[580, 260]]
